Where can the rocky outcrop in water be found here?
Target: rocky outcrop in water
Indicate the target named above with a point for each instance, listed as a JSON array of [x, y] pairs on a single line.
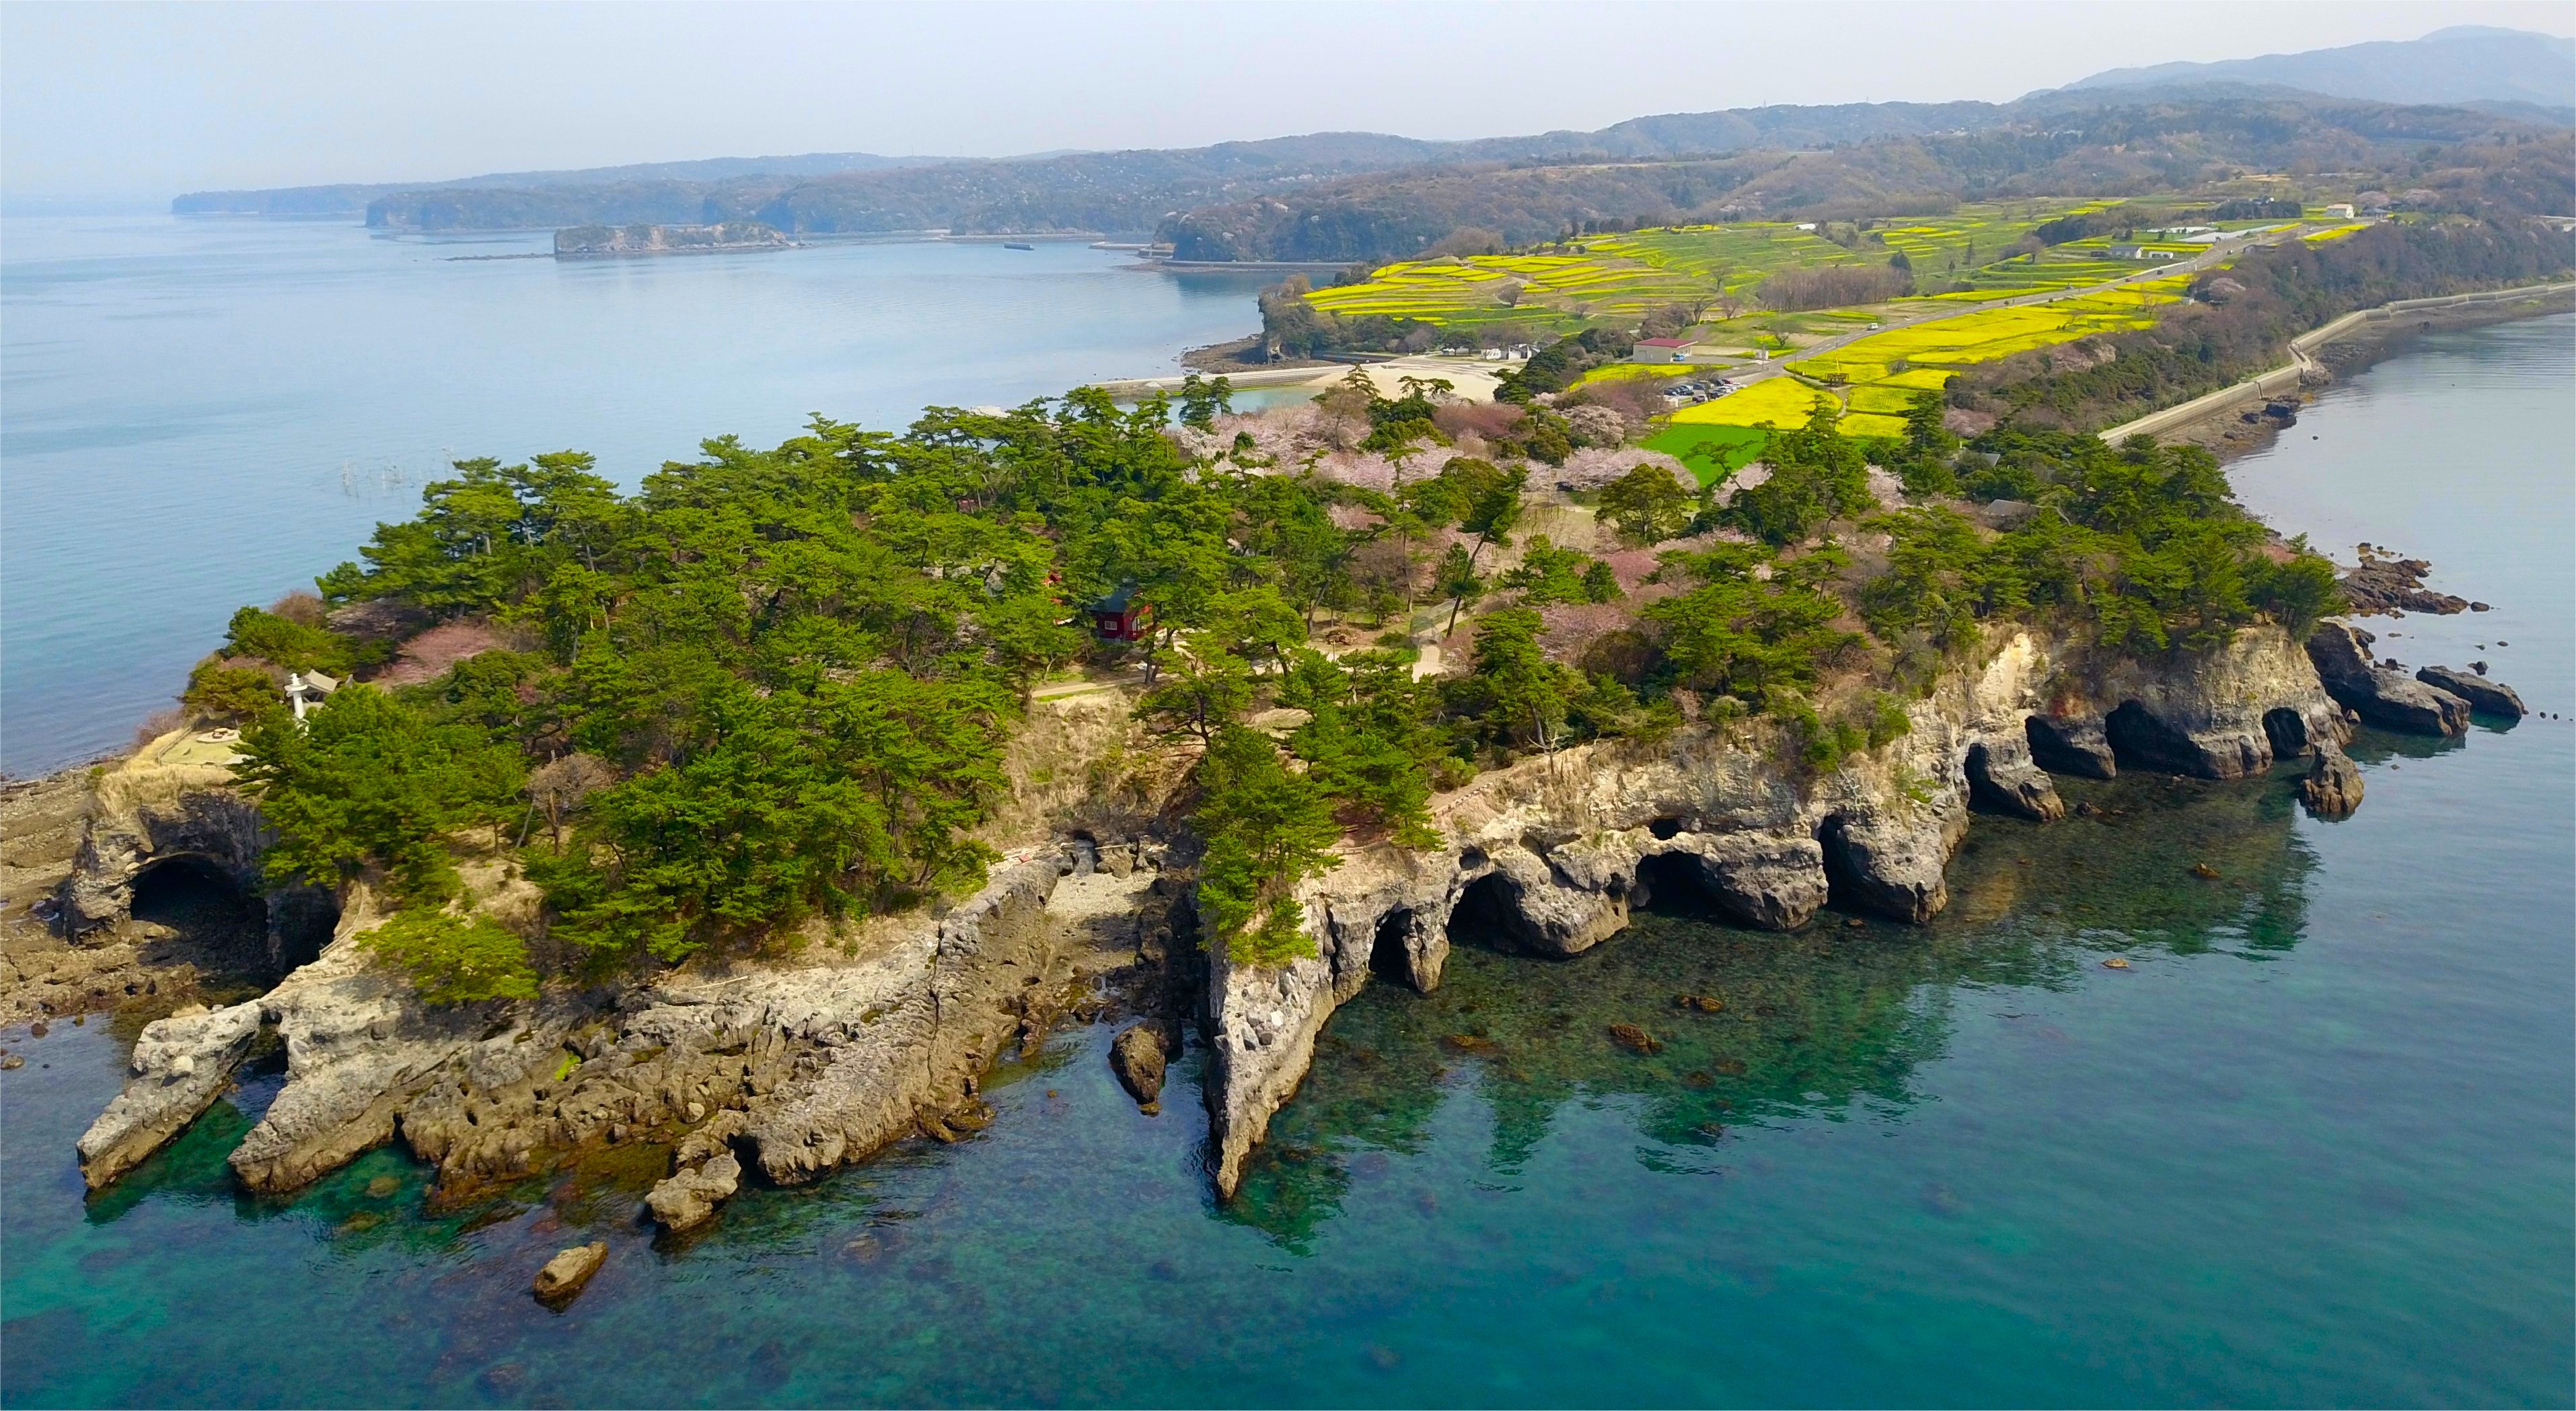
[[565, 1275], [2485, 697], [1550, 855], [2071, 744], [180, 1066], [2004, 778], [2383, 696], [787, 1068], [2332, 788], [2388, 584], [791, 1067], [689, 1197], [1136, 1056]]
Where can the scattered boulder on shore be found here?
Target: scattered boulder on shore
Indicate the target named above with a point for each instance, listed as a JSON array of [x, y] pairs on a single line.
[[562, 1279], [689, 1199], [2484, 696], [2389, 699], [2332, 788], [1136, 1056]]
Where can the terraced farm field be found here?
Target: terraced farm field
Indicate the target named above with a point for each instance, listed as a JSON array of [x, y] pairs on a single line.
[[1782, 402], [2051, 269], [1725, 258], [1459, 292], [1625, 275], [1875, 379], [1984, 335], [1973, 235]]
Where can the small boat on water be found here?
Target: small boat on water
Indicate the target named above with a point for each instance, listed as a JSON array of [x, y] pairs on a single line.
[[1016, 245]]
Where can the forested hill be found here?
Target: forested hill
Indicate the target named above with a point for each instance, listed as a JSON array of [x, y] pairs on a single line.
[[2054, 144], [1129, 190], [350, 198], [1126, 191]]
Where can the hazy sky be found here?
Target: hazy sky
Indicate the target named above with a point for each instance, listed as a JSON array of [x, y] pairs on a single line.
[[107, 100]]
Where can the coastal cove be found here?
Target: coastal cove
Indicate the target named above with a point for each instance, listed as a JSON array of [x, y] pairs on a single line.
[[204, 412], [1966, 1163]]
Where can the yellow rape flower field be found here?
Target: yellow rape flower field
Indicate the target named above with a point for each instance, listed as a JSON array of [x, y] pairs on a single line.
[[1885, 370], [1780, 401], [1627, 274], [1876, 378]]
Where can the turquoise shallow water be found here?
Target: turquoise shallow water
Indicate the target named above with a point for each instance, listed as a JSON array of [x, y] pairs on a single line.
[[2313, 1147], [197, 414]]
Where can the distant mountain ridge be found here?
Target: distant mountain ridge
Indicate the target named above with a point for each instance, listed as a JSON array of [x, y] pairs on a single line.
[[2462, 64], [1334, 194]]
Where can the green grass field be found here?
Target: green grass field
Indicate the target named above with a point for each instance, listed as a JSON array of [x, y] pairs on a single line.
[[1712, 452]]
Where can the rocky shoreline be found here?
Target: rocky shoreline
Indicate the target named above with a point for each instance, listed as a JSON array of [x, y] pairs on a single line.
[[782, 1069], [1552, 855]]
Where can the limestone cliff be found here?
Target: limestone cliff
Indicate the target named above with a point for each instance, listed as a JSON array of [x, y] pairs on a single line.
[[173, 799], [803, 1063], [1550, 855]]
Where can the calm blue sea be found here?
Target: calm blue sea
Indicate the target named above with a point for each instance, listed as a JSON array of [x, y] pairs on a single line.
[[2312, 1147], [197, 414]]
